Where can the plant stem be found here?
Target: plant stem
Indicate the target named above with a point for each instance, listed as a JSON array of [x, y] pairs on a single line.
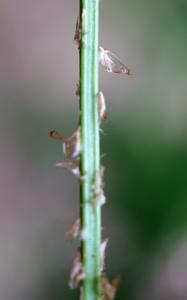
[[90, 157]]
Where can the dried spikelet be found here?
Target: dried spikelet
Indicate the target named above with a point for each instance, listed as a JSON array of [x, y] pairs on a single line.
[[77, 34], [102, 253], [56, 136], [109, 289], [78, 31], [71, 146], [99, 185], [100, 198], [101, 177], [101, 180], [112, 63], [74, 230], [72, 166], [76, 274], [102, 106]]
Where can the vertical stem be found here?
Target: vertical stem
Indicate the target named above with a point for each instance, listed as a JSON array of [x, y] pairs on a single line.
[[90, 157]]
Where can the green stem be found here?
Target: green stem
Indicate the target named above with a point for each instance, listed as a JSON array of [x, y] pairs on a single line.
[[90, 157]]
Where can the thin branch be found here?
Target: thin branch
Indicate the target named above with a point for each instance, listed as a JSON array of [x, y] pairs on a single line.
[[90, 152]]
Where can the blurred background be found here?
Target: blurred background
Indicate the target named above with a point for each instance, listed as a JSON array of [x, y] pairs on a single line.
[[144, 141]]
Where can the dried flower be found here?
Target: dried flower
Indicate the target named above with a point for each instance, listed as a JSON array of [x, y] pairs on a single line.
[[112, 63], [72, 166], [56, 136], [77, 34], [102, 253], [109, 289], [102, 106], [78, 31], [100, 198], [71, 146], [74, 230], [76, 274]]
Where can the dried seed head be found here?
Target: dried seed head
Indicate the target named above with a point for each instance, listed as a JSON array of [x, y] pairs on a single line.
[[109, 289], [76, 274], [99, 200], [74, 230], [100, 183], [112, 63], [78, 30], [77, 34], [102, 253], [98, 187], [73, 167], [56, 136], [102, 106], [102, 171], [72, 146]]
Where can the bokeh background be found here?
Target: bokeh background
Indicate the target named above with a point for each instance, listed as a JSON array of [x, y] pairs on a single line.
[[144, 141]]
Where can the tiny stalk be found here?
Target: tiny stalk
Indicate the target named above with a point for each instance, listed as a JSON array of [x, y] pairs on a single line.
[[90, 153], [82, 149]]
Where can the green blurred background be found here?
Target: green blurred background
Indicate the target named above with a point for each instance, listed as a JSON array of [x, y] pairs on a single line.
[[144, 141]]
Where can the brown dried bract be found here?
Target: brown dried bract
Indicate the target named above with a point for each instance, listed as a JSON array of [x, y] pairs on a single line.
[[102, 106], [77, 34], [78, 31], [100, 198], [109, 288], [99, 185], [112, 63], [74, 230], [71, 146], [72, 166], [102, 171], [103, 253], [77, 273], [56, 136]]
